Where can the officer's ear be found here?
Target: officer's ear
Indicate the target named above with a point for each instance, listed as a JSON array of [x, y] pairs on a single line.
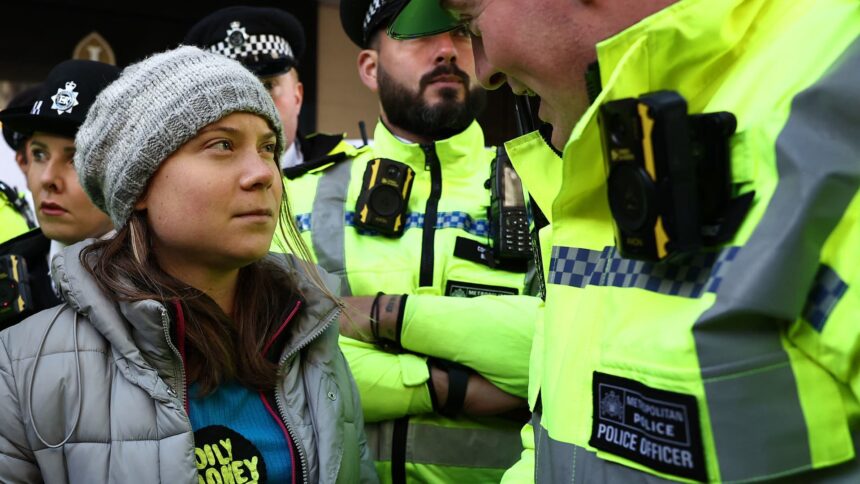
[[21, 160], [368, 62]]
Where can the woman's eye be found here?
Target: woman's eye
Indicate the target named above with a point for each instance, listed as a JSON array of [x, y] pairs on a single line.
[[269, 148], [221, 145]]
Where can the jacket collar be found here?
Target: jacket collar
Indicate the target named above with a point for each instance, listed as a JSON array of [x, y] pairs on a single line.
[[138, 331], [693, 47], [455, 153]]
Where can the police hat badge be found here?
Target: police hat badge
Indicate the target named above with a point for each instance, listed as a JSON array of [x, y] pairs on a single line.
[[69, 90], [66, 99]]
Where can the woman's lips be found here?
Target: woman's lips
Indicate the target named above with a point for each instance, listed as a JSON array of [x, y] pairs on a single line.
[[52, 209]]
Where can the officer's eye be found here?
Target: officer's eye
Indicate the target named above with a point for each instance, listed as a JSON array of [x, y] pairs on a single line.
[[461, 31], [38, 154], [268, 84]]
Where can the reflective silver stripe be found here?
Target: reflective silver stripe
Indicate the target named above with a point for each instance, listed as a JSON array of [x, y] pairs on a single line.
[[491, 448], [749, 384], [328, 228], [563, 462]]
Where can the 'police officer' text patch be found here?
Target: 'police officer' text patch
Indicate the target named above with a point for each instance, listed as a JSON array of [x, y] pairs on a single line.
[[656, 428]]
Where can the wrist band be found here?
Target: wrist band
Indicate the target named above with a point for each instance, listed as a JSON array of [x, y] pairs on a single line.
[[374, 317], [434, 400], [458, 381], [399, 328]]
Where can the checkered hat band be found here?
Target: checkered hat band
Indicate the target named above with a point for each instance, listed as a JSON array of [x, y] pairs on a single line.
[[266, 45], [371, 11]]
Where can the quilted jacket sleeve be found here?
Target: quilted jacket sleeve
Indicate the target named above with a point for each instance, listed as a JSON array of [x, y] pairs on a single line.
[[17, 463]]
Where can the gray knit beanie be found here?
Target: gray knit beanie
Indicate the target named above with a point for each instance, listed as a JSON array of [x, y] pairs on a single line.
[[150, 111]]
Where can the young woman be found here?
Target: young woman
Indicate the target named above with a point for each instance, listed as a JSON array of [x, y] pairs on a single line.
[[184, 353]]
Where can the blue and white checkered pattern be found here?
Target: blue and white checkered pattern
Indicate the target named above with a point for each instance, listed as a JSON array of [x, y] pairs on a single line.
[[444, 220], [303, 222], [827, 290], [701, 273]]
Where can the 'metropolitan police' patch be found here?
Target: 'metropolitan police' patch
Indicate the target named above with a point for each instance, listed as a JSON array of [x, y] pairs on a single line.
[[656, 428]]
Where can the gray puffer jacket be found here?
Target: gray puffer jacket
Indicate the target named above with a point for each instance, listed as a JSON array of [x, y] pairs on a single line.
[[106, 375]]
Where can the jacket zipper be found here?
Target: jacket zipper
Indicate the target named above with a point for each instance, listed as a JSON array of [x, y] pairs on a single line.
[[165, 322], [302, 457], [431, 164]]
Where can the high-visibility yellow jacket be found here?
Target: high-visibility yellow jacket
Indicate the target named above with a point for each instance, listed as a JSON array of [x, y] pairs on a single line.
[[743, 363], [490, 332], [12, 223]]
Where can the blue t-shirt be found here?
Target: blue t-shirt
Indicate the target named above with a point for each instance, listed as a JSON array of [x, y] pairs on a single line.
[[237, 439]]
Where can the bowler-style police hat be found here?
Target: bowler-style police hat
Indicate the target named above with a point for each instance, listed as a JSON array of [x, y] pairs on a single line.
[[25, 98], [268, 41], [361, 18], [63, 100]]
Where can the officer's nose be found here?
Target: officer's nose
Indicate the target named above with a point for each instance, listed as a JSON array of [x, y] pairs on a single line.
[[489, 77], [52, 176], [446, 50]]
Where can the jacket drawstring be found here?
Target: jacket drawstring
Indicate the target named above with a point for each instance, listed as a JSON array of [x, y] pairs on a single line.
[[33, 377]]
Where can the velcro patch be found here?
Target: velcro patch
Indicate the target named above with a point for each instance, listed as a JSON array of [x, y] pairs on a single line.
[[656, 428], [468, 289]]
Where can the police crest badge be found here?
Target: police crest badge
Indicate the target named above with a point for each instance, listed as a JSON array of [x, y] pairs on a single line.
[[65, 99], [236, 35]]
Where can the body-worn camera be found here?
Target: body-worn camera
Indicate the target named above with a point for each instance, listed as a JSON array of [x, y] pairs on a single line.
[[669, 176], [509, 224], [15, 295], [384, 200]]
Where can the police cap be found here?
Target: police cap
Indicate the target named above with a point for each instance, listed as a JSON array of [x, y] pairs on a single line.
[[23, 99], [62, 101], [361, 18], [268, 41]]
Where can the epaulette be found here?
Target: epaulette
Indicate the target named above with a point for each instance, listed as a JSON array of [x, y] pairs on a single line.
[[321, 164], [18, 203]]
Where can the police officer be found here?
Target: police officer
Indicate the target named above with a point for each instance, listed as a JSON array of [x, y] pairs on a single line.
[[16, 216], [439, 332], [735, 360], [47, 126], [270, 42]]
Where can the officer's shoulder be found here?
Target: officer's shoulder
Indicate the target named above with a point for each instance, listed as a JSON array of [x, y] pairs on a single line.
[[342, 153], [33, 241]]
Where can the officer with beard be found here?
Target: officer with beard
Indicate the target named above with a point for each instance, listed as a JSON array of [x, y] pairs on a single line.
[[437, 331]]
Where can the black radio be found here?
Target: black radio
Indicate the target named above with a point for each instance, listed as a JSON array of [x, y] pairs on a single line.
[[669, 176], [509, 224], [15, 297], [384, 200]]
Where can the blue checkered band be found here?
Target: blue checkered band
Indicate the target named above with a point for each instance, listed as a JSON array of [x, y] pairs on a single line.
[[701, 273], [303, 222], [444, 220], [827, 290]]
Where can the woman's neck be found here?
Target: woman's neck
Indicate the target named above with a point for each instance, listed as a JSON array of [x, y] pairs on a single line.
[[220, 285]]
